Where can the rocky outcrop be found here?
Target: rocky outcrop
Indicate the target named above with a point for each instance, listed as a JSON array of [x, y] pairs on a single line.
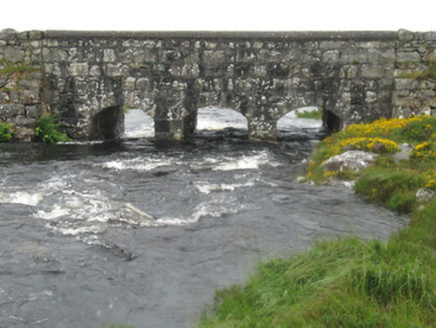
[[352, 160]]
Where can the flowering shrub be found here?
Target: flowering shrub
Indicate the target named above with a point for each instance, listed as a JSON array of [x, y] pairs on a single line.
[[382, 137], [418, 128], [376, 145], [424, 152], [382, 127]]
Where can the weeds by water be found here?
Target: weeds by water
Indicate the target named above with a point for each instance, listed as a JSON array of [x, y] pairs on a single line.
[[48, 130], [5, 132], [350, 282]]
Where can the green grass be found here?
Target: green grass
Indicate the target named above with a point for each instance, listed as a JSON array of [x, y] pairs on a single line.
[[313, 114], [342, 283], [351, 282]]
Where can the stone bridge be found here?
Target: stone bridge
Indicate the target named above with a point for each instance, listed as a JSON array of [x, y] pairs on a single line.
[[88, 78]]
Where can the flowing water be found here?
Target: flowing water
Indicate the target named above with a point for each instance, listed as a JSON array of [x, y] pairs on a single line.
[[142, 234]]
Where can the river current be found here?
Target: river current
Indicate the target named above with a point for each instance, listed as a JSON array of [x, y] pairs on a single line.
[[141, 234]]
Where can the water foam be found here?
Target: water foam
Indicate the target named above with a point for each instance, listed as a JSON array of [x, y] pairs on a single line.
[[136, 164], [21, 197], [243, 162], [208, 188]]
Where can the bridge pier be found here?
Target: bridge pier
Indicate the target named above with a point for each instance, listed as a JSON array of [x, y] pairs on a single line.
[[176, 115], [261, 129]]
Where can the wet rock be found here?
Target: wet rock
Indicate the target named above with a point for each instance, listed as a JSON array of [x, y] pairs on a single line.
[[341, 183], [24, 134], [353, 160], [424, 195]]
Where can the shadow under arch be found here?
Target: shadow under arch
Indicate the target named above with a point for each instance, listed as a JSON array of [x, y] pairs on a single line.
[[107, 124]]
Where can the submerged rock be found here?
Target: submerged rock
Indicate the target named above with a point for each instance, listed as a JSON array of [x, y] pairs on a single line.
[[353, 160]]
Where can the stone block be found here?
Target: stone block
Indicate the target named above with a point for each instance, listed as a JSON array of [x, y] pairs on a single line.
[[330, 56], [36, 35], [354, 56], [373, 71], [405, 36], [413, 56], [79, 69], [95, 71], [11, 110], [14, 54], [331, 44], [109, 55], [430, 36], [129, 84], [142, 83], [34, 111], [115, 70]]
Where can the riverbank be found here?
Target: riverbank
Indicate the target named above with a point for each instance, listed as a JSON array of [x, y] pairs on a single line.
[[351, 282]]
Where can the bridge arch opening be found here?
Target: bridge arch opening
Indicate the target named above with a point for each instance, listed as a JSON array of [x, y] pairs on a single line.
[[331, 122], [138, 124], [213, 119], [304, 118], [108, 124]]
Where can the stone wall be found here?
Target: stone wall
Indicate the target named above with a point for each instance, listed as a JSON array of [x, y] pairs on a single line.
[[415, 74], [21, 77], [89, 76]]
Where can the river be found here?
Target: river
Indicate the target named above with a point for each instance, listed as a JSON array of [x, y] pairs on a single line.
[[136, 233]]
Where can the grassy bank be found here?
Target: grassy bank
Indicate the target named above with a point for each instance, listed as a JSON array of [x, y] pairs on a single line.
[[350, 282]]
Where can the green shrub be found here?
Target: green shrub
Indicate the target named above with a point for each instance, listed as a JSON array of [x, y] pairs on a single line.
[[418, 130], [5, 132], [314, 114], [394, 188], [48, 130]]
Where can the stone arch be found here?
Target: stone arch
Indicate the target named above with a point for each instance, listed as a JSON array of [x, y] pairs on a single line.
[[224, 117], [107, 124], [138, 123], [285, 122]]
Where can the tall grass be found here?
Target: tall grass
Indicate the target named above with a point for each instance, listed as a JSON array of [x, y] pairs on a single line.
[[343, 283]]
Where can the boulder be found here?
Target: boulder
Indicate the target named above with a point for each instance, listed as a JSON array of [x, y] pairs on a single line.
[[24, 134], [404, 153], [352, 160], [423, 195]]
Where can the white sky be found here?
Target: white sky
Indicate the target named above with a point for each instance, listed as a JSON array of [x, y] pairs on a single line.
[[219, 15]]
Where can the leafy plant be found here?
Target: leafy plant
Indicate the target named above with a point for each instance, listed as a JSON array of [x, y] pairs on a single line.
[[48, 130], [5, 132]]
